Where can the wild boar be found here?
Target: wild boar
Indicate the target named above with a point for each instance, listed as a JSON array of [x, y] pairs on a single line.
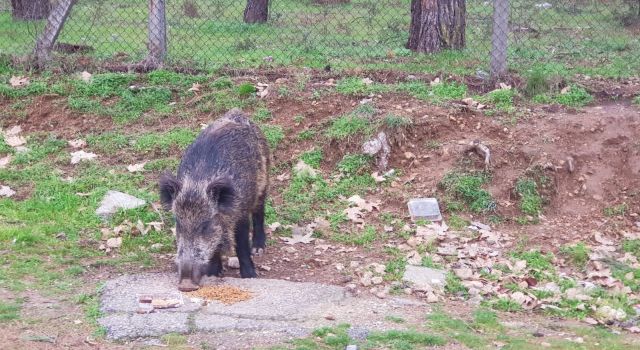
[[220, 191]]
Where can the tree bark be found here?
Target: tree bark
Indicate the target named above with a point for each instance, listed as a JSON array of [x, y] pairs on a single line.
[[49, 35], [157, 33], [28, 10], [437, 25], [257, 11], [499, 38]]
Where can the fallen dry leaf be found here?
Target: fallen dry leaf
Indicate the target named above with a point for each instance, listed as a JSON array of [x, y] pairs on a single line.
[[299, 235], [14, 140], [134, 168], [115, 242], [195, 87], [18, 81], [6, 191], [600, 238], [77, 143], [377, 177], [15, 130], [354, 214], [86, 76], [4, 161], [363, 204], [77, 157]]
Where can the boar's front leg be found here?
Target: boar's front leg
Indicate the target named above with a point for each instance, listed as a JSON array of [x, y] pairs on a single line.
[[259, 238], [215, 266], [243, 249]]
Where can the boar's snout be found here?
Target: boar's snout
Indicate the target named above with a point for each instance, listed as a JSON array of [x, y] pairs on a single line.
[[190, 276]]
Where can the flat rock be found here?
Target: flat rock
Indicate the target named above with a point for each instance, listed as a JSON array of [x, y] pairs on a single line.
[[114, 200], [279, 310], [424, 209], [424, 278]]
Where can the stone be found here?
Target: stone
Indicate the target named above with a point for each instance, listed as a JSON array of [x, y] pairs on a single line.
[[464, 273], [424, 278], [114, 200], [377, 280], [424, 209], [233, 262]]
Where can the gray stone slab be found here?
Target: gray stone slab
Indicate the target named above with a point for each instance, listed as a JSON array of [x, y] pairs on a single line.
[[424, 278], [120, 326], [425, 209], [121, 294], [277, 299], [277, 309], [114, 200]]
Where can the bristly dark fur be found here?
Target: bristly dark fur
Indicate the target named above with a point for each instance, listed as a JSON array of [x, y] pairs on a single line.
[[222, 182]]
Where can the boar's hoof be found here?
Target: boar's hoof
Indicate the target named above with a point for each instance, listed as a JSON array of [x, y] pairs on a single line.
[[187, 285], [214, 269], [257, 251]]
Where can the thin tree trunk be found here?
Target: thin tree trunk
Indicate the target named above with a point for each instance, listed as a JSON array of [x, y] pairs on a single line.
[[49, 35], [437, 25], [499, 38], [157, 33], [257, 11], [28, 10]]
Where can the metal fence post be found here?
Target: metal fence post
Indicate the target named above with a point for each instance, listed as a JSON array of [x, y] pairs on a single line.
[[499, 38], [47, 38], [157, 33]]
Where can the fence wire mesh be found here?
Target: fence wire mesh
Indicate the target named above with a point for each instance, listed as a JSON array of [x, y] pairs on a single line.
[[573, 33]]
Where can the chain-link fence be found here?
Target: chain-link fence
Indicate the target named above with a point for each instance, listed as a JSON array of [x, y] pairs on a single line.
[[575, 33]]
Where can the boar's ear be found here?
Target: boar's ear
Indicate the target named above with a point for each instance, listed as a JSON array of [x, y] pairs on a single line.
[[169, 188], [222, 193]]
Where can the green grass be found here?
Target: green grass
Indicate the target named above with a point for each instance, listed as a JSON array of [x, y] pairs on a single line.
[[353, 164], [457, 223], [453, 285], [468, 188], [501, 99], [394, 268], [393, 121], [631, 246], [273, 133], [575, 97], [636, 100], [262, 115], [246, 90], [9, 311], [439, 93], [539, 265], [312, 158], [357, 86], [306, 135], [577, 254], [402, 340], [505, 304], [616, 210], [530, 199], [346, 126]]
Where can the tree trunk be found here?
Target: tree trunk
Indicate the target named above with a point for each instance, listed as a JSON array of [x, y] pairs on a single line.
[[257, 11], [499, 38], [49, 35], [437, 25], [157, 33], [28, 10]]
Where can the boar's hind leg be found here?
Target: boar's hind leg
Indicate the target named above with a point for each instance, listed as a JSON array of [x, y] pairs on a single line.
[[243, 249], [259, 238], [215, 266]]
